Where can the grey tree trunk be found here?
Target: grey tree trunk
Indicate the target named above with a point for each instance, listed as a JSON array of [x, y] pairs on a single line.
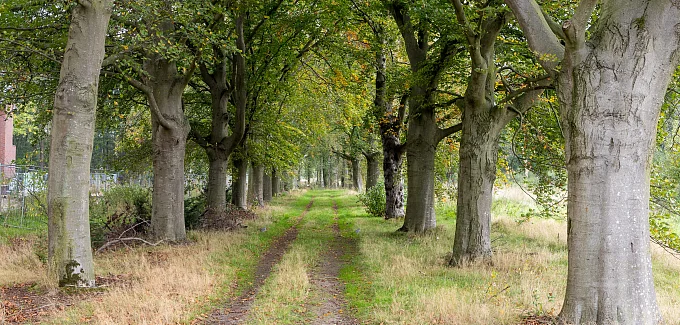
[[610, 102], [478, 160], [258, 184], [267, 188], [170, 130], [420, 215], [357, 180], [219, 144], [423, 132], [372, 169], [482, 124], [610, 89], [239, 195], [276, 183], [216, 200], [75, 103]]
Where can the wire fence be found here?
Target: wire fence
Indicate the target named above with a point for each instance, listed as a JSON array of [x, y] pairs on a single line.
[[23, 192]]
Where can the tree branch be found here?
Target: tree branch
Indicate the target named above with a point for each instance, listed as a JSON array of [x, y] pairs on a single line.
[[539, 35], [462, 19], [152, 101], [443, 133]]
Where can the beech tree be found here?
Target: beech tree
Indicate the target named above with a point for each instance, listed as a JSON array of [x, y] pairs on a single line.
[[612, 73], [484, 118], [75, 104], [427, 59]]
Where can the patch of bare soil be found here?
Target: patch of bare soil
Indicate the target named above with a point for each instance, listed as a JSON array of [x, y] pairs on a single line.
[[332, 307], [27, 302], [237, 309]]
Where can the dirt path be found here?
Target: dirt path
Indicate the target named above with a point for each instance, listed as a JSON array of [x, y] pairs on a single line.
[[332, 307], [237, 309]]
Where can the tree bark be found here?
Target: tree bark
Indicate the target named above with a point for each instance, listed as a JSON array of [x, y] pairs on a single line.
[[420, 215], [276, 183], [239, 195], [170, 129], [258, 184], [477, 173], [372, 169], [357, 180], [267, 188], [423, 132], [610, 90], [482, 124], [216, 200], [73, 122]]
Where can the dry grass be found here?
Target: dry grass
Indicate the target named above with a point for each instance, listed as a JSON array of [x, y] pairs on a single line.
[[166, 282], [20, 264], [412, 284], [283, 296]]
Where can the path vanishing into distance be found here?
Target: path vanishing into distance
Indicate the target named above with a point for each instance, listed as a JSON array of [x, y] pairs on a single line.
[[297, 277]]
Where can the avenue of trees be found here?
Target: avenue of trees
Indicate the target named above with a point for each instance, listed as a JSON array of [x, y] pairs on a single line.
[[275, 94]]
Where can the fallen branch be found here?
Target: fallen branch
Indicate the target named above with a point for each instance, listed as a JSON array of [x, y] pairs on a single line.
[[674, 252], [123, 240]]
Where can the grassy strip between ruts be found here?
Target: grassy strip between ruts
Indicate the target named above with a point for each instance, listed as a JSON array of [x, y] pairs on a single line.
[[404, 279], [288, 296], [177, 284]]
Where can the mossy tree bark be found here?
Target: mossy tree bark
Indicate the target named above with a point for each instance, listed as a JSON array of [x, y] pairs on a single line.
[[610, 88], [73, 122]]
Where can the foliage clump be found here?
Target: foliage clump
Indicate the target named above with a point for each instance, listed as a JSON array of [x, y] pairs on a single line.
[[374, 200], [120, 211]]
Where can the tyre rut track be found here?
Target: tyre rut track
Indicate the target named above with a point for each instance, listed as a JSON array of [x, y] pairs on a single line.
[[332, 308], [236, 311]]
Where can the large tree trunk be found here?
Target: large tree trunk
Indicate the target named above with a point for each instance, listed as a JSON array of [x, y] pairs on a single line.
[[170, 130], [420, 215], [394, 186], [611, 97], [482, 124], [216, 201], [372, 169], [357, 180], [478, 159], [69, 249], [258, 184], [239, 195], [267, 188], [276, 183], [610, 90]]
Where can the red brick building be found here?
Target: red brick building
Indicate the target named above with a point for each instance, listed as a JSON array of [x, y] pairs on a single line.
[[8, 151]]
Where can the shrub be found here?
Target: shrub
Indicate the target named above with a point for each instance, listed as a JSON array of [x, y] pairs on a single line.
[[194, 207], [120, 209], [374, 200]]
